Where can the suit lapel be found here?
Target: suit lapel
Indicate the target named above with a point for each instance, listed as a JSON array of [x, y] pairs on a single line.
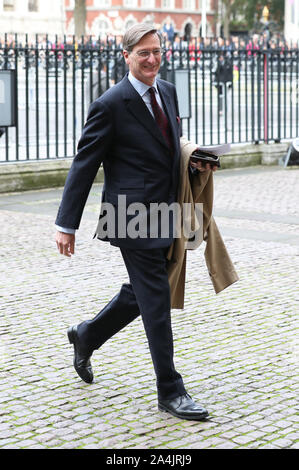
[[138, 108], [171, 113]]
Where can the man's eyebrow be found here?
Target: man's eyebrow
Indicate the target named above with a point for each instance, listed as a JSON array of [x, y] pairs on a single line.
[[154, 49]]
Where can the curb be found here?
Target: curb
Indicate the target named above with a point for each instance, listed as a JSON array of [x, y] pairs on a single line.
[[30, 175], [254, 154], [42, 174]]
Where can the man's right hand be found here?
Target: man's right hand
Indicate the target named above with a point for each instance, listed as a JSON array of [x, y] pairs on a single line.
[[65, 243]]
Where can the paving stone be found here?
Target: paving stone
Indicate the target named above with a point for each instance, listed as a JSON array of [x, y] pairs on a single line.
[[268, 446], [226, 445], [229, 434], [23, 444], [245, 429], [295, 445], [282, 443], [211, 442], [237, 351], [256, 435], [242, 439]]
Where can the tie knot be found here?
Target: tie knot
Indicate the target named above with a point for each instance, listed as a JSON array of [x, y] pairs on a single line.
[[152, 91]]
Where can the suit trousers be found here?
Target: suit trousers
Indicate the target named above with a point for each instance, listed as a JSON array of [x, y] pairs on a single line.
[[147, 293]]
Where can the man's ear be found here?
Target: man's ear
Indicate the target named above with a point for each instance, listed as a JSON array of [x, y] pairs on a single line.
[[126, 56]]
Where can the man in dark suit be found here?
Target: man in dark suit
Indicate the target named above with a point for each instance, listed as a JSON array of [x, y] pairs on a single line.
[[133, 129]]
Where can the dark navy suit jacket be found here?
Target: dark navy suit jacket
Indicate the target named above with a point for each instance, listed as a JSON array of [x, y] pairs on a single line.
[[121, 134]]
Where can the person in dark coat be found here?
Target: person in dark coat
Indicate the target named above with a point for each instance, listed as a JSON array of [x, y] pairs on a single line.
[[223, 76], [133, 129]]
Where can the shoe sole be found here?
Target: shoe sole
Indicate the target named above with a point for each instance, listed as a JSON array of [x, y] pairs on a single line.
[[183, 416]]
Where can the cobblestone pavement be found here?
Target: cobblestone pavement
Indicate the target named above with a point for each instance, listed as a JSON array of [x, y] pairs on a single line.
[[237, 351]]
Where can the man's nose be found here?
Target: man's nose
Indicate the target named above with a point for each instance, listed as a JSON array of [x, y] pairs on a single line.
[[152, 58]]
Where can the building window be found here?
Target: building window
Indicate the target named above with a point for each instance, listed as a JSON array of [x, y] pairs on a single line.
[[103, 26], [33, 5], [189, 4], [8, 5], [208, 5], [101, 3], [148, 3], [168, 4], [130, 3]]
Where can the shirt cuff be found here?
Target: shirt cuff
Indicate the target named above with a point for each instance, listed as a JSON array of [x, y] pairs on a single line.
[[193, 170], [65, 230]]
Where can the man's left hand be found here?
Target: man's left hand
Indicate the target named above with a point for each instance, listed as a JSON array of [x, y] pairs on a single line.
[[200, 167]]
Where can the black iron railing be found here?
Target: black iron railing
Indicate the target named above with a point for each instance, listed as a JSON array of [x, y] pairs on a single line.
[[235, 94]]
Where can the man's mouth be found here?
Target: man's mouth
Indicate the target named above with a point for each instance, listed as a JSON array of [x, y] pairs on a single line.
[[150, 68]]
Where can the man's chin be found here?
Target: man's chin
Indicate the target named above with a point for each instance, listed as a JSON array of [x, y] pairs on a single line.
[[150, 75]]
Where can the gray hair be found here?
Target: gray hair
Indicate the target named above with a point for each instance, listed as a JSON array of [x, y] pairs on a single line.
[[136, 32]]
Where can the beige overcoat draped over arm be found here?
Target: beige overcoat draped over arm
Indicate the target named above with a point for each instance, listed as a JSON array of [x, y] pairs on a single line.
[[197, 188]]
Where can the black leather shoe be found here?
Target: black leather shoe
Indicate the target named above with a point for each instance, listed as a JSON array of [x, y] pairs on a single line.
[[183, 407], [82, 363]]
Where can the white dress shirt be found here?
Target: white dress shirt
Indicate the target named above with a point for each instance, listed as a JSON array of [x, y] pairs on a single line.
[[142, 89]]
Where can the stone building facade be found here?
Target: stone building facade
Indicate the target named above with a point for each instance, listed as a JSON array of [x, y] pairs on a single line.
[[115, 16], [32, 16]]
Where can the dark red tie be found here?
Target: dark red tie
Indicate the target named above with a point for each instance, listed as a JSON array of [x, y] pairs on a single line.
[[161, 118]]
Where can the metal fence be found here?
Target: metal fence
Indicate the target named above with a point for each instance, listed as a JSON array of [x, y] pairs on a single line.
[[235, 94]]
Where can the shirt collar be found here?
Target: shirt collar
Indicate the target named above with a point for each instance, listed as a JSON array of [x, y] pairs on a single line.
[[139, 86]]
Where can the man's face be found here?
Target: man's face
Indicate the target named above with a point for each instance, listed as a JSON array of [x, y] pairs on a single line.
[[145, 69]]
